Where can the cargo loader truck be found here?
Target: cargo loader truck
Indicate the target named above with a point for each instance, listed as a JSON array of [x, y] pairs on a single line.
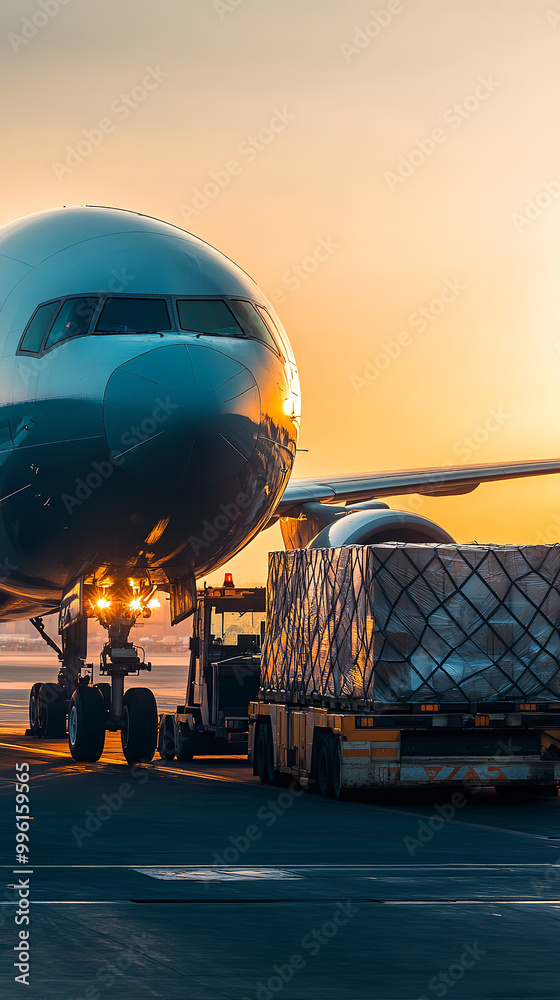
[[222, 676], [400, 665]]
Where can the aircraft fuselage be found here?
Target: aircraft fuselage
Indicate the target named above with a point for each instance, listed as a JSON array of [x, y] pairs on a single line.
[[164, 450]]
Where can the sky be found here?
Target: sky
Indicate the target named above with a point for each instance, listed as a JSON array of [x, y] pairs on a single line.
[[389, 174]]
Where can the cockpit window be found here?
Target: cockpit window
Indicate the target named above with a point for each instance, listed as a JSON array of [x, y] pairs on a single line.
[[211, 316], [72, 320], [38, 326], [254, 323], [128, 315], [276, 334]]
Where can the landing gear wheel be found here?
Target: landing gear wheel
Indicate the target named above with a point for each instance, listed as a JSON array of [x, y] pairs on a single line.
[[336, 764], [106, 692], [166, 738], [34, 709], [139, 733], [86, 724], [265, 756], [324, 776], [184, 742], [51, 711], [329, 768]]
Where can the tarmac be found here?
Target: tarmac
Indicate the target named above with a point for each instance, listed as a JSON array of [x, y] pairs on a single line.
[[194, 881]]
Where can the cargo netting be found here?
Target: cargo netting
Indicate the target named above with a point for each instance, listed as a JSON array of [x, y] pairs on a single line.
[[403, 623]]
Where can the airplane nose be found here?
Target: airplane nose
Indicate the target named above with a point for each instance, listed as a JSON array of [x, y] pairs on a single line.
[[180, 413]]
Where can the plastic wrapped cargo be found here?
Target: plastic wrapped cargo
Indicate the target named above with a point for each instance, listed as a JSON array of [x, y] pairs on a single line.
[[402, 623]]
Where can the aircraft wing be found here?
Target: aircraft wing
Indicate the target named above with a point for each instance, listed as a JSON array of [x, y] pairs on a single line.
[[448, 481]]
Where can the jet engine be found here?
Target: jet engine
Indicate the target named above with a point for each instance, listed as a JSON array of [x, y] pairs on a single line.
[[327, 526]]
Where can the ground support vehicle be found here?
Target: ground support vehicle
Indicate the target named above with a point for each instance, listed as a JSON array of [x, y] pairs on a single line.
[[508, 746], [407, 664], [223, 675]]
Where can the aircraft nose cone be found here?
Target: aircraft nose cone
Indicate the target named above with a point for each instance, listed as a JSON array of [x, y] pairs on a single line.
[[178, 413]]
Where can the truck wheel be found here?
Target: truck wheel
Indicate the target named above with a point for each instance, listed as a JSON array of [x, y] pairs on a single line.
[[140, 725], [324, 770], [51, 711], [86, 724], [184, 742], [265, 756], [166, 738], [329, 768], [336, 765], [33, 709]]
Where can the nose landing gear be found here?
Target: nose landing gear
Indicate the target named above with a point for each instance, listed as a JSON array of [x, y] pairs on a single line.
[[133, 712], [95, 708]]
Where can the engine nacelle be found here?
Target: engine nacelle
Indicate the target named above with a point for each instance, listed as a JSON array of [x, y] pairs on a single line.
[[328, 526]]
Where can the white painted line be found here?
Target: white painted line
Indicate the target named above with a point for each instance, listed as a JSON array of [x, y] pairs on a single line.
[[490, 866], [384, 902], [471, 902], [217, 874], [75, 902]]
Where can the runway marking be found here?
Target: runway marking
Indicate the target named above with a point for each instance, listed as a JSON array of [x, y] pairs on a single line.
[[330, 868], [216, 874], [73, 902], [468, 902], [281, 900]]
